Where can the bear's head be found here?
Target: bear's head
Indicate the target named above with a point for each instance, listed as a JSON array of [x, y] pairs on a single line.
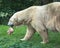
[[16, 20]]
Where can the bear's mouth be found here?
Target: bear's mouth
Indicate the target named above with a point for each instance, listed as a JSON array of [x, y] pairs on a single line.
[[11, 25]]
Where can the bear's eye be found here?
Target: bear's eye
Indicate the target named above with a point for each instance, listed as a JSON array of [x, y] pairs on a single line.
[[15, 20], [10, 20]]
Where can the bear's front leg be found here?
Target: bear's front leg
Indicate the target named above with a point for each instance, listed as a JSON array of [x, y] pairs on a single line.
[[29, 33]]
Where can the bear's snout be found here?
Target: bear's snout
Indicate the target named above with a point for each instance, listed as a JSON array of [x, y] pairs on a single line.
[[10, 24]]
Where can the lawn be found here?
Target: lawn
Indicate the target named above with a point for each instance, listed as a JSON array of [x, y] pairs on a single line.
[[13, 41]]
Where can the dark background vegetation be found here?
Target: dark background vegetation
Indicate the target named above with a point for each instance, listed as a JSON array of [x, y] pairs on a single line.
[[8, 7]]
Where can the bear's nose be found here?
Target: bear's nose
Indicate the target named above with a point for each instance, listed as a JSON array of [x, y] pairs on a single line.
[[10, 24]]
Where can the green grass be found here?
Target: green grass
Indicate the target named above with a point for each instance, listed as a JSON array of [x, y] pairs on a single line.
[[13, 41]]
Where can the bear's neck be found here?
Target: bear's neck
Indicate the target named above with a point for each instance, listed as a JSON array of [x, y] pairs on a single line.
[[27, 20]]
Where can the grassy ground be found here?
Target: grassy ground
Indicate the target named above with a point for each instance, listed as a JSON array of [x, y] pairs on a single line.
[[13, 41]]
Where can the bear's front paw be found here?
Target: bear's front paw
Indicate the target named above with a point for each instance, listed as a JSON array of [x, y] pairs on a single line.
[[44, 42], [23, 39]]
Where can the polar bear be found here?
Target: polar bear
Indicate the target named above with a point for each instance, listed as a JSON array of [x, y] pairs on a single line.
[[38, 19]]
